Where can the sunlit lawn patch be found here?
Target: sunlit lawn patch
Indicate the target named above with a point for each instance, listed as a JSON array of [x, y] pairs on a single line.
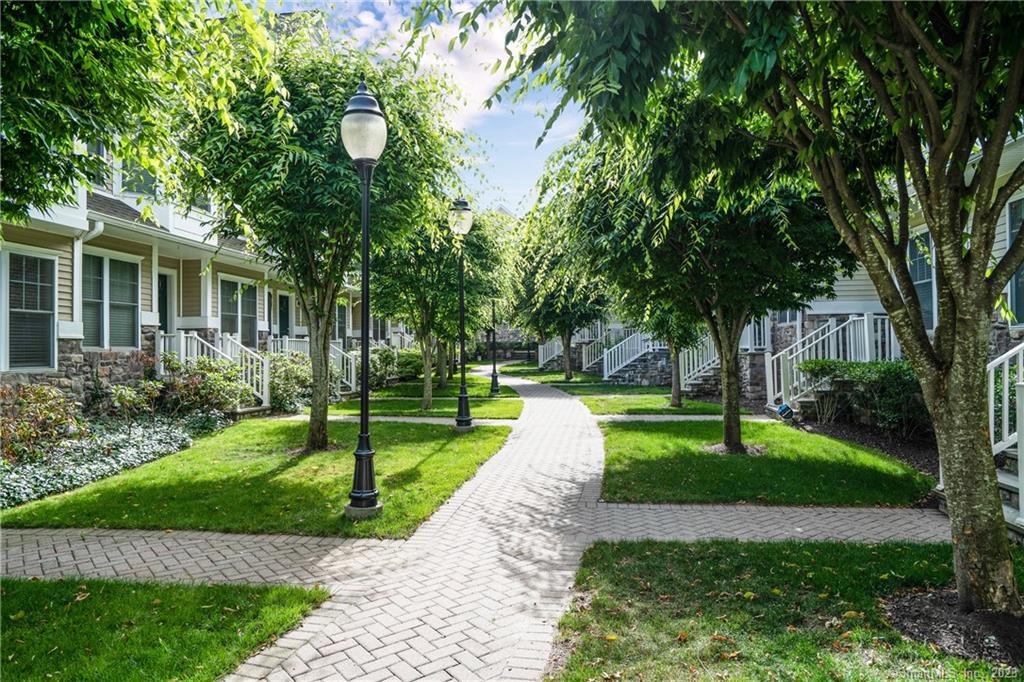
[[105, 630], [494, 408], [666, 462], [476, 387], [251, 478], [646, 404]]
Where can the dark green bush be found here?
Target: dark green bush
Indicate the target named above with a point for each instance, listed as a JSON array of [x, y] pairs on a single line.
[[291, 378], [383, 366], [887, 391], [410, 364], [34, 416]]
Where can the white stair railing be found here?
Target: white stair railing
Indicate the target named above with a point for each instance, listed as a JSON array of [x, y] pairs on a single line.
[[1002, 375], [628, 350], [401, 340], [595, 351], [697, 359], [547, 351], [591, 332], [255, 367], [346, 364]]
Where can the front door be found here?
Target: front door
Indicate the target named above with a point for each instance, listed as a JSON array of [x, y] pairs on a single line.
[[284, 326], [163, 302]]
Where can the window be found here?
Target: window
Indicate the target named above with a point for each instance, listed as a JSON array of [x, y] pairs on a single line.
[[919, 255], [1016, 217], [788, 316], [380, 328], [238, 311], [340, 321], [99, 176], [110, 302], [135, 178], [31, 311]]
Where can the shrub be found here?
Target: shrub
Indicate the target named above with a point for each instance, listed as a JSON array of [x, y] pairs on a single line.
[[410, 364], [126, 403], [33, 416], [291, 378], [383, 366], [204, 384], [887, 391]]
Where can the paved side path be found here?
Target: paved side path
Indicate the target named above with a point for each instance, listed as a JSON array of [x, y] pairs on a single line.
[[478, 589]]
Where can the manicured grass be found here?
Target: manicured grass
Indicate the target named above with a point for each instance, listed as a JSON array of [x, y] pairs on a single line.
[[531, 373], [664, 462], [612, 389], [250, 479], [646, 404], [496, 408], [105, 630], [751, 611], [476, 386]]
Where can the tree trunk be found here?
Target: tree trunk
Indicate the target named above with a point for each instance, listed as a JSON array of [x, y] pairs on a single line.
[[958, 404], [677, 389], [428, 372], [442, 365], [319, 355], [453, 360], [732, 436], [567, 354]]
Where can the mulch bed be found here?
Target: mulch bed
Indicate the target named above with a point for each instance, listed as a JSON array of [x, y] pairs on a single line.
[[923, 455], [934, 617]]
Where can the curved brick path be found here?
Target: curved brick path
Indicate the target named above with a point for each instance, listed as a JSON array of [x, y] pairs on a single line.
[[477, 591]]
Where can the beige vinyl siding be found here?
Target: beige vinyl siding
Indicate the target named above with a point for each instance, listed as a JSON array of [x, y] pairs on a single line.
[[64, 247], [857, 288], [191, 289], [234, 270], [136, 249]]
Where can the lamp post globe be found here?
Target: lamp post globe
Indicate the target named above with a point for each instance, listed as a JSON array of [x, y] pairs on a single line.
[[460, 221], [364, 132]]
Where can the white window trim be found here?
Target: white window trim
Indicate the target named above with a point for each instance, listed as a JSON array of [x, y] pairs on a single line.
[[172, 287], [107, 255], [249, 281], [6, 249], [1010, 296]]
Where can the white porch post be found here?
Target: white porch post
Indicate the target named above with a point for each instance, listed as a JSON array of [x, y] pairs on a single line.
[[787, 378], [869, 337]]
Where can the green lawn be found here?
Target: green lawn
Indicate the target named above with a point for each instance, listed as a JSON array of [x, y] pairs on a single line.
[[476, 386], [664, 462], [493, 408], [646, 404], [104, 630], [612, 389], [530, 372], [249, 479], [751, 611]]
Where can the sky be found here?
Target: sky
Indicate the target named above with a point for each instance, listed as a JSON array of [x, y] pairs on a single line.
[[508, 161]]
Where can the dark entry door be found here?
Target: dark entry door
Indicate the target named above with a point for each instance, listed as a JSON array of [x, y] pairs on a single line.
[[284, 326]]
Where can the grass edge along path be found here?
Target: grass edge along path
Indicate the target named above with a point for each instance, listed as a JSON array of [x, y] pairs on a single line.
[[664, 462], [647, 404], [252, 478], [79, 629], [485, 408], [775, 610]]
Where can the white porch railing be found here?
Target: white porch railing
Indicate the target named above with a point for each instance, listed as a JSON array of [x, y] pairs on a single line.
[[592, 332], [1003, 375], [594, 351], [548, 350], [628, 350], [347, 365], [255, 367], [401, 340], [860, 339], [697, 359], [284, 344]]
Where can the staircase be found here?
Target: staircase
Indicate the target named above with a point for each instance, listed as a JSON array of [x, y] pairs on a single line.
[[189, 346], [699, 364], [634, 347], [345, 362], [592, 355], [548, 351]]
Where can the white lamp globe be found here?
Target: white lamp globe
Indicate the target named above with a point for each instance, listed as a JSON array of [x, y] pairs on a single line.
[[364, 132], [460, 217]]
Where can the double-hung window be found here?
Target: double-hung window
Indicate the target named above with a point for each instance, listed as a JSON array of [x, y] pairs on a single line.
[[110, 302], [31, 324], [1016, 217], [919, 256], [238, 311], [340, 321]]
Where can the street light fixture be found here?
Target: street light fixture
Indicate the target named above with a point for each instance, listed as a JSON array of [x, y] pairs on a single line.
[[364, 132], [495, 389], [460, 220]]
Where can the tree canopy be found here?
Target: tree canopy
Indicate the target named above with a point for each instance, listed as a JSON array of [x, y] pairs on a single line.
[[116, 74]]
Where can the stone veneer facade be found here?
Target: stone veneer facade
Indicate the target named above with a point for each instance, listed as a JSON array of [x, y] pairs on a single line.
[[78, 370]]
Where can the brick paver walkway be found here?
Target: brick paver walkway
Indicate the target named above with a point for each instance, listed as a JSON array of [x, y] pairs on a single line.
[[477, 591]]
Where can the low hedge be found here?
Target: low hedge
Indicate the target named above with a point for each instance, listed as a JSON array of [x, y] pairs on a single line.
[[885, 392]]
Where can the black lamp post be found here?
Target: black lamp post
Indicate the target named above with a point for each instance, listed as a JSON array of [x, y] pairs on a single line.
[[495, 389], [460, 220], [364, 132]]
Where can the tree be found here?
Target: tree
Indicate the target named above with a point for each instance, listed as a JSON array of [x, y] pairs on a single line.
[[553, 298], [417, 281], [285, 184], [114, 74], [894, 109]]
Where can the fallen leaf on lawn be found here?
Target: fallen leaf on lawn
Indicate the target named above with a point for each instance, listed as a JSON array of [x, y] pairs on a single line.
[[853, 614], [17, 616], [81, 596], [229, 609], [610, 637], [206, 606], [792, 628], [845, 635], [730, 655], [749, 595], [156, 602], [682, 636], [776, 591]]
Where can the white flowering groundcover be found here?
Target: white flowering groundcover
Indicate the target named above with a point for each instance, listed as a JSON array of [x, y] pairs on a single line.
[[108, 450]]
